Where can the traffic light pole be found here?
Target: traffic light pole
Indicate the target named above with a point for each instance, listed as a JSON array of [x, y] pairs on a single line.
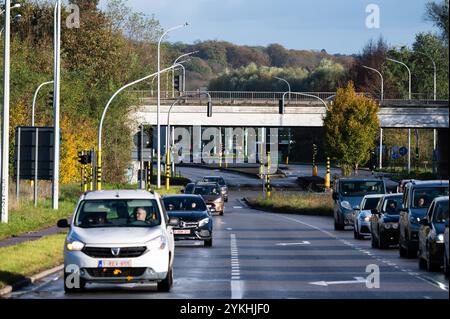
[[33, 109]]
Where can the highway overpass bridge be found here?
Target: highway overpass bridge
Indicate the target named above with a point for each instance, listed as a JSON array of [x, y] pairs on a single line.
[[253, 109]]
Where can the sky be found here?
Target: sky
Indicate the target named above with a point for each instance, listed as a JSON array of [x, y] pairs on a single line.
[[338, 26]]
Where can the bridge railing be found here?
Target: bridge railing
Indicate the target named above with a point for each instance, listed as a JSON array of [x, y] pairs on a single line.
[[270, 98]]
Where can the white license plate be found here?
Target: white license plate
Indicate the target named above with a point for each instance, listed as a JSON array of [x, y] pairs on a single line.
[[114, 263], [181, 231]]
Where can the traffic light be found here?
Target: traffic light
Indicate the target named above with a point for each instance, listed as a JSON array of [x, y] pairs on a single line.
[[281, 107], [209, 111], [51, 98], [84, 157], [177, 83]]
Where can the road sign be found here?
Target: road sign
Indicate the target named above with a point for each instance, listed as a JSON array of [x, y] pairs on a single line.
[[26, 163], [403, 151], [395, 156]]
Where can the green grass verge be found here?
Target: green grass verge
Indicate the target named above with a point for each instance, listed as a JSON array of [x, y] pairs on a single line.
[[23, 260], [299, 203], [26, 218]]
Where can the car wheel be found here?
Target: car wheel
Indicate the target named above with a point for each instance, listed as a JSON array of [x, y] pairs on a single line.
[[431, 266], [374, 242], [411, 253], [70, 290], [208, 242], [166, 283], [338, 226], [402, 251], [422, 263], [382, 244]]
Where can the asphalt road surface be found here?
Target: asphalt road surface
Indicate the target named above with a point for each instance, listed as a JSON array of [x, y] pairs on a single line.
[[264, 255]]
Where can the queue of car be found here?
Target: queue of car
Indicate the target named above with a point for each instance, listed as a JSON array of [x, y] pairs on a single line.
[[127, 236], [415, 220]]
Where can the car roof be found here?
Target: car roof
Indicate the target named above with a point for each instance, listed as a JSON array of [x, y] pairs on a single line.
[[374, 196], [360, 179], [393, 195], [119, 194], [182, 195], [441, 199], [206, 183], [429, 183]]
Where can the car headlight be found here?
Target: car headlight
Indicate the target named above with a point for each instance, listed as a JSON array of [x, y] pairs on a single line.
[[346, 205], [414, 220], [387, 226], [203, 222], [395, 226], [440, 238], [74, 245], [218, 201], [159, 242]]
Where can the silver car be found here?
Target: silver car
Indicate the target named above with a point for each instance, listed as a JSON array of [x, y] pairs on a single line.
[[119, 236], [362, 214]]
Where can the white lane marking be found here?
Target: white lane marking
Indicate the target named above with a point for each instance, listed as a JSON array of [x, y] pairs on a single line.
[[430, 281], [229, 229], [358, 280], [294, 244], [237, 207], [236, 285]]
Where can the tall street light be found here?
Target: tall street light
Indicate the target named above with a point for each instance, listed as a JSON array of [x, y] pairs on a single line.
[[409, 73], [289, 86], [102, 119], [434, 75], [382, 80], [56, 100], [158, 107], [33, 108], [5, 118]]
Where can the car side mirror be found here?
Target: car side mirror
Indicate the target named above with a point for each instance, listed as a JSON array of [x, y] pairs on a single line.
[[174, 221], [63, 223], [335, 196]]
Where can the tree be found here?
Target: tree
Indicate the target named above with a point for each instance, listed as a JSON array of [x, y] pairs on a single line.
[[351, 127], [438, 14]]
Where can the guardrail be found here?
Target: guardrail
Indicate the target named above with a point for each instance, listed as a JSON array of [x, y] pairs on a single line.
[[272, 98]]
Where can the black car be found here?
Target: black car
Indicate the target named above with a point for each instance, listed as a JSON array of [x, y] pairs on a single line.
[[221, 181], [384, 221], [196, 222], [189, 188], [431, 235], [417, 198]]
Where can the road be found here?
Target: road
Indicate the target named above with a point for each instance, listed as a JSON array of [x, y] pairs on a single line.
[[262, 255]]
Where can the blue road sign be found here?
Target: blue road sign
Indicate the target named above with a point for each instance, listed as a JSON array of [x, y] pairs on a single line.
[[403, 151]]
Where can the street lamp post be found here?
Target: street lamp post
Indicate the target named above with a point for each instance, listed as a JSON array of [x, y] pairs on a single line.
[[289, 86], [382, 80], [158, 107], [100, 125], [33, 110], [56, 106], [409, 73], [5, 118], [434, 75]]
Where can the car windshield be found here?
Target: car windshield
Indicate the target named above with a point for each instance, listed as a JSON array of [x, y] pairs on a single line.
[[189, 188], [441, 214], [423, 197], [206, 190], [371, 203], [361, 188], [118, 213], [218, 180], [184, 204], [392, 205]]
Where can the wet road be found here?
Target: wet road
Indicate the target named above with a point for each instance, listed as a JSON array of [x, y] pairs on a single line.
[[264, 255]]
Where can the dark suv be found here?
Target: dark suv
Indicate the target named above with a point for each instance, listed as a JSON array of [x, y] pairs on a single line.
[[347, 195], [417, 198], [384, 221]]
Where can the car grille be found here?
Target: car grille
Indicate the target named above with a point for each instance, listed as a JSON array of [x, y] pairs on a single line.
[[125, 252], [115, 272]]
